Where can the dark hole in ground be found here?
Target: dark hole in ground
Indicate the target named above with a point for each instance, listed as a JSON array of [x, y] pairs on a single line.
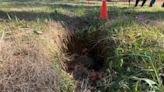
[[85, 61]]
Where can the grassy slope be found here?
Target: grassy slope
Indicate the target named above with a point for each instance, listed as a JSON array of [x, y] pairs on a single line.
[[137, 35]]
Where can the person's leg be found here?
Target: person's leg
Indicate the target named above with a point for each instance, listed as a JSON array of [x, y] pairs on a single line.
[[129, 2], [163, 4], [137, 1], [143, 3], [152, 3]]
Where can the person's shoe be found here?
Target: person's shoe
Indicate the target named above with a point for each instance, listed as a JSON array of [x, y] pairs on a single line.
[[150, 5]]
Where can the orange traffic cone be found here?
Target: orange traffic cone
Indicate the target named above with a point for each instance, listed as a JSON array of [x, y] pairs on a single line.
[[104, 11]]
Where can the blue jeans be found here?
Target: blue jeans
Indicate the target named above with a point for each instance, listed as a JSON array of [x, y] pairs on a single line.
[[152, 3]]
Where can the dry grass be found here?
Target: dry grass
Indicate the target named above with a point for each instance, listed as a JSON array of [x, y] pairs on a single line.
[[27, 65], [58, 37], [26, 68]]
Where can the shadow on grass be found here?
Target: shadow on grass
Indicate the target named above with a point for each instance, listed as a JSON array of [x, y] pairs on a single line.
[[91, 16]]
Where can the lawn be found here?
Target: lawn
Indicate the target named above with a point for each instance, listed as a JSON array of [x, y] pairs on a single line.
[[65, 47]]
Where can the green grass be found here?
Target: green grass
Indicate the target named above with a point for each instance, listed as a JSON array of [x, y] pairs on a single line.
[[138, 53], [137, 36]]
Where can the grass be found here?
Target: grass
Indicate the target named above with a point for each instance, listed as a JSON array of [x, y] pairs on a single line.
[[131, 44], [137, 53]]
